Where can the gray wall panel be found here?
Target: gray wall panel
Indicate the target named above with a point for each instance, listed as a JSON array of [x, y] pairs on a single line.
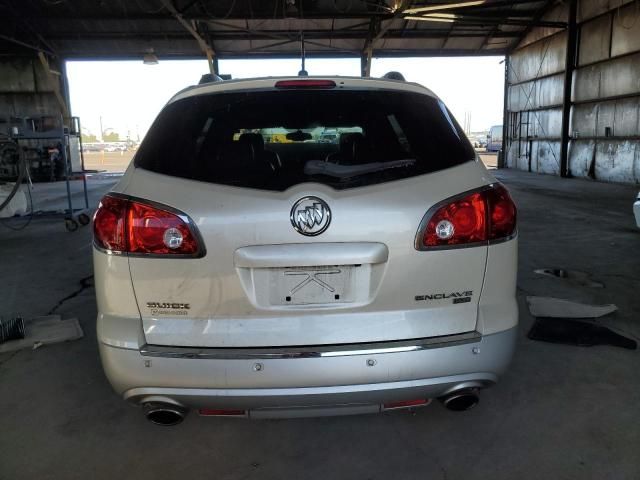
[[558, 13], [546, 123], [536, 94], [584, 119], [17, 75], [627, 117], [595, 40], [590, 8], [621, 116], [619, 76], [618, 161], [581, 157], [539, 59], [25, 90], [626, 30], [545, 157]]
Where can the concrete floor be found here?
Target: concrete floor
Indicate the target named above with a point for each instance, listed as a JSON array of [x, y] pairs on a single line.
[[561, 412]]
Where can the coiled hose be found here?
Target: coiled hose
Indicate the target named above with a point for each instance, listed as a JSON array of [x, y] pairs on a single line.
[[22, 171]]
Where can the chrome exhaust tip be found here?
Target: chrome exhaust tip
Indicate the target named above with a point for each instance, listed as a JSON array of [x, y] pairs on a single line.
[[164, 414], [461, 400]]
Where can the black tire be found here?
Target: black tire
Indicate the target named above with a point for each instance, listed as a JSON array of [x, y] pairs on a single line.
[[70, 224], [84, 219]]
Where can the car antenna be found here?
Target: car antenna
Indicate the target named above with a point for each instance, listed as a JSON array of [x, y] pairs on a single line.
[[302, 72]]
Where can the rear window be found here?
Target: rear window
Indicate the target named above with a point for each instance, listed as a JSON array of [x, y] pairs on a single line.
[[273, 140]]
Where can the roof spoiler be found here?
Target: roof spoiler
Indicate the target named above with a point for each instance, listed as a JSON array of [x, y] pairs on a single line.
[[212, 78], [394, 76]]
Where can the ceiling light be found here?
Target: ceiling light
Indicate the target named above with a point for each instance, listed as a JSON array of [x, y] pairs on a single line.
[[431, 19], [443, 6], [440, 15]]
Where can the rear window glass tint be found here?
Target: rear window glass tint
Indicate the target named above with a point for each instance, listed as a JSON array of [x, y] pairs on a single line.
[[273, 140]]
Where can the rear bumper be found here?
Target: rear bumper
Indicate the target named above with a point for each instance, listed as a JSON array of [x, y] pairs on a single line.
[[357, 380]]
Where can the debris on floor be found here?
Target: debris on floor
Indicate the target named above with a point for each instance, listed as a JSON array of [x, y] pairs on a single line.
[[559, 308], [44, 331], [575, 332], [574, 276]]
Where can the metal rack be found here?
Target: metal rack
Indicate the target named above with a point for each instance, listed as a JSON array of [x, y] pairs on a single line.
[[74, 217]]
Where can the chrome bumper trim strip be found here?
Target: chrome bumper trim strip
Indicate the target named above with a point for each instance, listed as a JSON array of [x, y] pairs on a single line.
[[316, 351]]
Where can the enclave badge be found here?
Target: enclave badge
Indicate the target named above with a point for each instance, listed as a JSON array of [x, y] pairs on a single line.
[[310, 216]]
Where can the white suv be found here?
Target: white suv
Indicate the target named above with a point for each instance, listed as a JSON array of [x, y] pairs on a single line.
[[244, 266]]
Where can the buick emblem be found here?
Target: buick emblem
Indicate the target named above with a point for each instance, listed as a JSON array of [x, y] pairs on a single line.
[[310, 216]]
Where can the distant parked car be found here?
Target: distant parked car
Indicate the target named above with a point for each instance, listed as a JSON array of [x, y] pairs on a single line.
[[328, 138], [115, 147], [636, 210], [239, 278], [494, 139], [91, 147]]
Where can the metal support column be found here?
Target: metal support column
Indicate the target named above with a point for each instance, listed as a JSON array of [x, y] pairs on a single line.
[[64, 80], [570, 65], [216, 66], [365, 63], [505, 117]]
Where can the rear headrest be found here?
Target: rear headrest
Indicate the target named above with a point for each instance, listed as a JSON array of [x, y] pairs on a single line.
[[348, 140], [352, 147], [236, 154], [254, 139]]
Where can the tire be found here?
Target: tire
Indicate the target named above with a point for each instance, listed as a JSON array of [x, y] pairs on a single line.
[[83, 219], [70, 224]]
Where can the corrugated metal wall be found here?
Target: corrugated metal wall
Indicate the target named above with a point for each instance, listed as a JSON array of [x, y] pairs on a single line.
[[25, 92], [604, 126]]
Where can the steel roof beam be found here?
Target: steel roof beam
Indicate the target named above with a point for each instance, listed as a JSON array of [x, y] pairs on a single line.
[[191, 28]]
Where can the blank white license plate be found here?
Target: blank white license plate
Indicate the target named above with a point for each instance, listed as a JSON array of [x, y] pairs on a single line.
[[310, 285]]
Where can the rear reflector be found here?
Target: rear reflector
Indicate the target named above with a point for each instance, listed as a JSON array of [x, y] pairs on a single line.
[[138, 227], [218, 412], [310, 83], [406, 404], [475, 218]]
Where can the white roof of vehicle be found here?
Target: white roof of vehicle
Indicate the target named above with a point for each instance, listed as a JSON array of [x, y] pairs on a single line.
[[269, 82]]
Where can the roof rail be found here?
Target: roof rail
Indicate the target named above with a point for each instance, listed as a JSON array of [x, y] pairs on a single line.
[[394, 76]]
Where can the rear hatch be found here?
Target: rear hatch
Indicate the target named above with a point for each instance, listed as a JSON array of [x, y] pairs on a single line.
[[307, 242]]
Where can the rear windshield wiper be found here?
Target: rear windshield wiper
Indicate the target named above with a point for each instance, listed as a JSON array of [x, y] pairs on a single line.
[[320, 167]]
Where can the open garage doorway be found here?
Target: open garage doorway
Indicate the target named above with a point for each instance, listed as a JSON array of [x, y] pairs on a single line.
[[118, 100]]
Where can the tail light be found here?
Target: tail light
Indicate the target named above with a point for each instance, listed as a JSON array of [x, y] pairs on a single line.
[[475, 218], [138, 227]]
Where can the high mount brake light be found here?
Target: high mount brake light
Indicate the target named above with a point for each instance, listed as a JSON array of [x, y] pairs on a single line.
[[310, 83], [484, 216], [136, 227]]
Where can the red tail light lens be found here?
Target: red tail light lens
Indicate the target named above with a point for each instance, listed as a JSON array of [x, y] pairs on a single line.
[[473, 219], [502, 222], [461, 221], [123, 225], [109, 224], [311, 83]]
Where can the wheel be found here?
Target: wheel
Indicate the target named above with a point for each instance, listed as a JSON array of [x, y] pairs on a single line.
[[70, 224], [84, 219]]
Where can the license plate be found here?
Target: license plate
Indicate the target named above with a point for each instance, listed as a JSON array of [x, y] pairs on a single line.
[[311, 285]]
